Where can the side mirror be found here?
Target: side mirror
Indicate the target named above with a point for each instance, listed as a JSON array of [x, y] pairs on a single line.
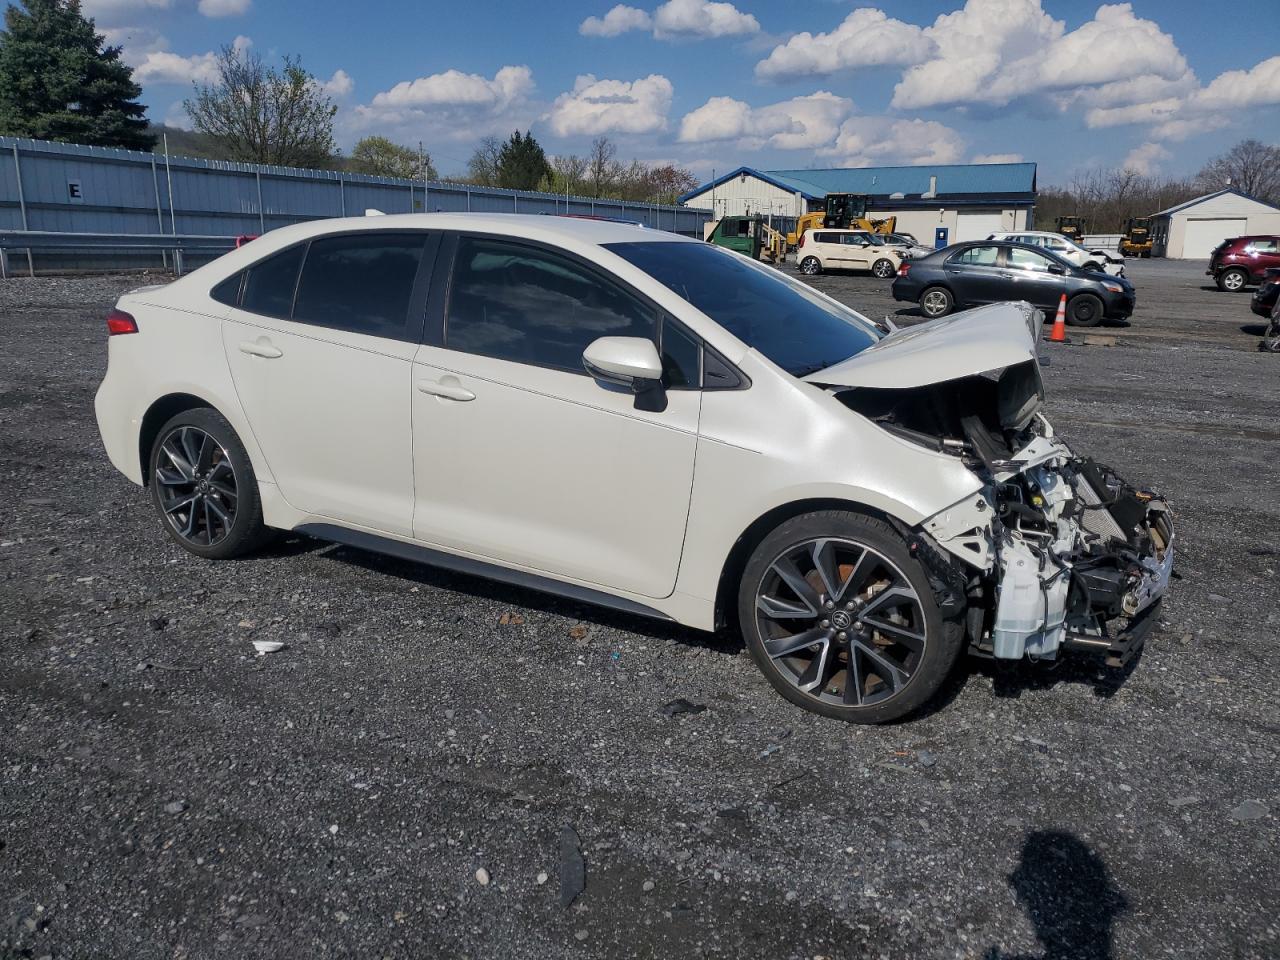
[[1057, 268], [631, 362]]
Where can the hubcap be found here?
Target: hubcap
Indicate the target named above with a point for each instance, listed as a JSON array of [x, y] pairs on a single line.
[[883, 269], [197, 486], [810, 266], [1233, 281], [840, 622], [935, 303]]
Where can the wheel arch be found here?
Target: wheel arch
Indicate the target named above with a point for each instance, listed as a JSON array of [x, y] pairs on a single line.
[[179, 401], [758, 529]]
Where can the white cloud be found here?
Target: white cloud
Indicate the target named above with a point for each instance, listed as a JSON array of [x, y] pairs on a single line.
[[455, 88], [339, 85], [452, 106], [680, 19], [1147, 158], [612, 106], [674, 20], [864, 141], [164, 66], [1236, 89], [802, 123], [866, 38], [998, 158], [996, 51], [224, 8], [115, 12], [617, 21]]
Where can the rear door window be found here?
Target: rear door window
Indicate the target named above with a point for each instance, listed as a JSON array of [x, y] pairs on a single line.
[[269, 287], [978, 256], [1263, 246], [361, 283]]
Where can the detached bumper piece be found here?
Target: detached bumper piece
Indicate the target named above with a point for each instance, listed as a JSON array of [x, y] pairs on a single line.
[[1124, 646]]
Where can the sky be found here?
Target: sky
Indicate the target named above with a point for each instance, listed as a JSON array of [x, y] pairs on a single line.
[[1159, 86]]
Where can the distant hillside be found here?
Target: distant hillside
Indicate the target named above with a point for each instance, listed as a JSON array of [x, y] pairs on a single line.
[[185, 143]]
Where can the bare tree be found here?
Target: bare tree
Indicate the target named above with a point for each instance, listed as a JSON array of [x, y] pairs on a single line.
[[568, 174], [1250, 166], [482, 168], [256, 114], [603, 168]]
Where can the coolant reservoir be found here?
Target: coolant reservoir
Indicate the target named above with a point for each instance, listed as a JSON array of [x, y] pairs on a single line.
[[1030, 615]]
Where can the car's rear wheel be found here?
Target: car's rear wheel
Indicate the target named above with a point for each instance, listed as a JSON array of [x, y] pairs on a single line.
[[203, 486], [1233, 280], [883, 268], [936, 302], [1084, 310], [810, 266], [841, 620]]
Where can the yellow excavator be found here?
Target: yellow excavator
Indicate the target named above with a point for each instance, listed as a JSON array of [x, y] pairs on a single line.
[[843, 211], [1136, 241]]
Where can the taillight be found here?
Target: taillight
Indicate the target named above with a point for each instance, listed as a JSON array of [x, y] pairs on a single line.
[[903, 268], [120, 322]]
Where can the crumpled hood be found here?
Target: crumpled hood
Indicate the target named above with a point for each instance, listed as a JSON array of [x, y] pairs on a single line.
[[964, 344]]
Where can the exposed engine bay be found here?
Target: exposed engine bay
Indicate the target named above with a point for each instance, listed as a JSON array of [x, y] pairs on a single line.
[[1056, 551]]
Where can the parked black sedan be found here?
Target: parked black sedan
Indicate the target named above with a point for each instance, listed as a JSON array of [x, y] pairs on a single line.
[[987, 271], [1264, 300]]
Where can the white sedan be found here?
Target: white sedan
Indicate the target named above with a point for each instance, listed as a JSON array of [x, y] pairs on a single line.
[[1098, 259], [640, 420]]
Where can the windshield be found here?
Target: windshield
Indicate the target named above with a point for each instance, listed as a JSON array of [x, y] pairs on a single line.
[[791, 324]]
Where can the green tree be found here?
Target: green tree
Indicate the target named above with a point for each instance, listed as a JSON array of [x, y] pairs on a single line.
[[383, 158], [257, 114], [522, 163], [58, 81]]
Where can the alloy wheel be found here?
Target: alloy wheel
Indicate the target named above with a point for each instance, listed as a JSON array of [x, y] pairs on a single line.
[[934, 303], [883, 269], [810, 266], [840, 622], [197, 486], [1233, 280]]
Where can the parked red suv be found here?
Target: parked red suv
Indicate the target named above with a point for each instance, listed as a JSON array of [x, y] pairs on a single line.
[[1241, 261]]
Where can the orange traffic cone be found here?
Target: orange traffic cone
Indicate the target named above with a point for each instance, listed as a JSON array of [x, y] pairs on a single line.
[[1059, 332]]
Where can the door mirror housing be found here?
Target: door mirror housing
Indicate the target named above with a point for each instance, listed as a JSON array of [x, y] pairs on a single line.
[[631, 362], [1057, 268]]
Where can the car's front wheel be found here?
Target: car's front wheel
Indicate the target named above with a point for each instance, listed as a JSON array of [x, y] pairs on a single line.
[[936, 302], [810, 266], [203, 486], [883, 268], [1233, 280], [1084, 310], [841, 619]]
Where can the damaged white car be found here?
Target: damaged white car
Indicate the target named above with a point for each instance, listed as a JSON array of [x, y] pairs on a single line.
[[635, 419]]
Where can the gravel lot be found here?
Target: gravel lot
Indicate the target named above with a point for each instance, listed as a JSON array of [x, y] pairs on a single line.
[[164, 793]]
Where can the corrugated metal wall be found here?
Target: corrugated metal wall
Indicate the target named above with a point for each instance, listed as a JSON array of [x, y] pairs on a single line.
[[72, 188]]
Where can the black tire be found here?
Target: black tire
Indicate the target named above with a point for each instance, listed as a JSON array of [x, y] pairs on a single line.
[[811, 266], [1233, 280], [1084, 310], [925, 668], [883, 268], [228, 469], [1091, 266], [936, 302]]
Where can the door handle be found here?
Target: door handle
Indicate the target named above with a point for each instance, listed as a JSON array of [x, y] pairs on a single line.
[[260, 348], [450, 391]]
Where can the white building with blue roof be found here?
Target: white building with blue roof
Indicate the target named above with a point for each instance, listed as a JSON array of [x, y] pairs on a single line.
[[969, 200]]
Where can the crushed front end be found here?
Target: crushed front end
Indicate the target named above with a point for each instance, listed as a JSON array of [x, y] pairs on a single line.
[[1055, 552]]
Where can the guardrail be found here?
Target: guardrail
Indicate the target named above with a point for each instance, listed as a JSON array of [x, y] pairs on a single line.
[[176, 244]]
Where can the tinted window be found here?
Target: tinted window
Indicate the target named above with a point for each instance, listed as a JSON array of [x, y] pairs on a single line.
[[790, 323], [977, 256], [681, 357], [533, 306], [228, 291], [1028, 260], [360, 283], [269, 287]]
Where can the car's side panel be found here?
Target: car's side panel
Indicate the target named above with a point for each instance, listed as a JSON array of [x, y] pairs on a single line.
[[550, 470]]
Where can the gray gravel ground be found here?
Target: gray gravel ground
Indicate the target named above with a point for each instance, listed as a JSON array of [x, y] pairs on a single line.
[[164, 793]]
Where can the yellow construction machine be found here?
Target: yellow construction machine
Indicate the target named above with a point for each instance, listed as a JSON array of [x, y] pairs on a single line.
[[843, 211]]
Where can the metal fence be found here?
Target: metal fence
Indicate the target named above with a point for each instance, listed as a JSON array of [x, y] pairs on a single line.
[[1101, 241], [69, 188]]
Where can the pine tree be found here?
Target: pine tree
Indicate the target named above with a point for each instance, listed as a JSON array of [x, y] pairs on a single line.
[[58, 81], [522, 163]]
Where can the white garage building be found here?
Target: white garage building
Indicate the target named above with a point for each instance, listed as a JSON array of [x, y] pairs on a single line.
[[1191, 230], [968, 200]]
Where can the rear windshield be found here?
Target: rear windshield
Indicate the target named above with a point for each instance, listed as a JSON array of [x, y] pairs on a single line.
[[790, 323]]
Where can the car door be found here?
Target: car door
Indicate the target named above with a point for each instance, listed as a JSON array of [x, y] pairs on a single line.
[[1032, 277], [854, 249], [1264, 252], [976, 276], [320, 346], [520, 456]]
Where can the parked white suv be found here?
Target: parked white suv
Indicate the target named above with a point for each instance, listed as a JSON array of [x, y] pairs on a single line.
[[640, 420], [1100, 260], [821, 250]]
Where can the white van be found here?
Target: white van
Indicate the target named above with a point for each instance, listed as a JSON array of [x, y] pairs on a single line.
[[821, 250]]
